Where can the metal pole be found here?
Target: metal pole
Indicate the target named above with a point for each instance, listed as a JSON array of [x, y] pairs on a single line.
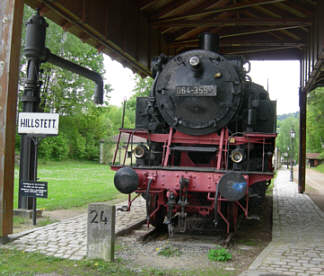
[[291, 159], [34, 51], [123, 115], [35, 140]]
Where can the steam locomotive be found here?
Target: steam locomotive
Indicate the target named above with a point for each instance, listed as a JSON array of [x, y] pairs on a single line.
[[209, 137]]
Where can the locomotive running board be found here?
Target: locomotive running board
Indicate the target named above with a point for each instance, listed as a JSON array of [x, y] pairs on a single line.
[[193, 169]]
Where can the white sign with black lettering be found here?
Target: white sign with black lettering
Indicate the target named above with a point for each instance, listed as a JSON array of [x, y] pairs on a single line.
[[38, 123]]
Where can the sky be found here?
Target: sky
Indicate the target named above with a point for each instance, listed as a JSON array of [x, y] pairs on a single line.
[[282, 76]]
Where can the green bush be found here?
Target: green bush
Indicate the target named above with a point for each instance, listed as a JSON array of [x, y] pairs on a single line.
[[219, 254], [60, 147], [54, 148]]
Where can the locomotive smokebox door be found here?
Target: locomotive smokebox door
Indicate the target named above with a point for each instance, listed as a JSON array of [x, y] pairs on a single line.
[[198, 92], [232, 186], [126, 180]]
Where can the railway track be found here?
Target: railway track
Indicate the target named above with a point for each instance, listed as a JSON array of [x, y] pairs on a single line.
[[143, 235]]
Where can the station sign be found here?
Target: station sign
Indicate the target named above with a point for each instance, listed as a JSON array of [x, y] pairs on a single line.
[[38, 123], [33, 189]]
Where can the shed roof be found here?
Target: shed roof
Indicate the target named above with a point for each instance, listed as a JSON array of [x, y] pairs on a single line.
[[313, 156], [133, 31]]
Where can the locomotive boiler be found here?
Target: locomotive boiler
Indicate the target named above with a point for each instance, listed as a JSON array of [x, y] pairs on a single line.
[[209, 135]]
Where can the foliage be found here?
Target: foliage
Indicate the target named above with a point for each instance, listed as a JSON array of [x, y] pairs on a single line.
[[142, 89], [62, 91], [80, 135], [115, 114], [283, 140], [14, 262], [315, 121], [286, 115], [73, 184], [169, 251], [319, 168], [82, 123], [219, 254]]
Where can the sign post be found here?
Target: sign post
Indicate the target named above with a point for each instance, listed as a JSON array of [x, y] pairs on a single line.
[[37, 126]]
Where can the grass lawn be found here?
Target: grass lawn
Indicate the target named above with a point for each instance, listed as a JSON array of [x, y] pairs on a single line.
[[320, 168], [73, 184], [14, 262]]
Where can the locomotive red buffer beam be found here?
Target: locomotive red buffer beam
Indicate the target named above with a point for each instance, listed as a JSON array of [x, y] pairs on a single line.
[[205, 190]]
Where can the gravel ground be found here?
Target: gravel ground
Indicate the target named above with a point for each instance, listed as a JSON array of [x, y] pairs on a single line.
[[191, 251]]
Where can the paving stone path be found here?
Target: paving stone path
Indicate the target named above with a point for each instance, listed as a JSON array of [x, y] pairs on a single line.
[[297, 246], [68, 238]]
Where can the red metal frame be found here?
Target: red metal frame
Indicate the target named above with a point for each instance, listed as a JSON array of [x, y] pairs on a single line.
[[166, 177]]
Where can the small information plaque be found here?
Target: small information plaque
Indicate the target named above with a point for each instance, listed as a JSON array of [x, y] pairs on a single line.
[[101, 231], [33, 189]]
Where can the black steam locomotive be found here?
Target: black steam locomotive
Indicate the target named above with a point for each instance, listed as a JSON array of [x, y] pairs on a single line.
[[210, 135]]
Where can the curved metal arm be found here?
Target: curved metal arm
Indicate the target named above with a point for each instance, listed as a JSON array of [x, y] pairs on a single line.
[[75, 68]]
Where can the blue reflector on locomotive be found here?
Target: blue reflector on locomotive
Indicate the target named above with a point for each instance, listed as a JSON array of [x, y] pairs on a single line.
[[232, 186]]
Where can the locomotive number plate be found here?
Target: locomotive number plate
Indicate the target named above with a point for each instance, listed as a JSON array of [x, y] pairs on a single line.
[[196, 90]]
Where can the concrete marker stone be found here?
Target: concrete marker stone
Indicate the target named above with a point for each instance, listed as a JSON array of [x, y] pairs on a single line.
[[101, 231]]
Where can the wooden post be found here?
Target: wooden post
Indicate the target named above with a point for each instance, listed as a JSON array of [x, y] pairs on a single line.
[[302, 140], [11, 14]]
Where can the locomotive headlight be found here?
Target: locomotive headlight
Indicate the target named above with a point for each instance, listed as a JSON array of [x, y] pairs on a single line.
[[140, 151], [194, 61], [237, 155]]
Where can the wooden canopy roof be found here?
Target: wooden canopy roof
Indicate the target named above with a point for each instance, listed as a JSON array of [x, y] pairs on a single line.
[[133, 31]]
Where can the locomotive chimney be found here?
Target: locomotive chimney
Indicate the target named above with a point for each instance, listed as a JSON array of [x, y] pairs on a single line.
[[209, 42]]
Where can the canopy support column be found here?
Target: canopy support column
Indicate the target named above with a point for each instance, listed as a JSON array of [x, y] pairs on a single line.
[[11, 14], [302, 140]]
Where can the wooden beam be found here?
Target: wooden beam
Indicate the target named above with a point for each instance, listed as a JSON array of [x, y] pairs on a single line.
[[246, 43], [11, 14], [234, 7], [198, 30], [239, 34], [274, 12], [59, 12], [207, 5], [263, 31], [251, 51], [169, 9], [147, 4], [295, 9], [236, 22]]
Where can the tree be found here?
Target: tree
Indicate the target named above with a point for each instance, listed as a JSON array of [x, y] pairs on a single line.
[[315, 121], [283, 140], [62, 91], [142, 89], [82, 123]]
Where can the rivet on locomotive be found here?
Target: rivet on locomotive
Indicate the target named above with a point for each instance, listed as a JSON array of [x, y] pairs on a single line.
[[210, 138]]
